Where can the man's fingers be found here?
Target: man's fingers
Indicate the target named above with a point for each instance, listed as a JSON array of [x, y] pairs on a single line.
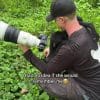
[[24, 48], [46, 52]]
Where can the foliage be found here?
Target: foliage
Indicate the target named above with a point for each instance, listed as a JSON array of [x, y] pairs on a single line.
[[29, 15], [94, 3]]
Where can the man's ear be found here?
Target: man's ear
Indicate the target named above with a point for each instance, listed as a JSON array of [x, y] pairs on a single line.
[[62, 19]]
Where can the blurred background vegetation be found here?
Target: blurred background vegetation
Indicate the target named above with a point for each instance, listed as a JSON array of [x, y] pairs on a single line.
[[29, 15]]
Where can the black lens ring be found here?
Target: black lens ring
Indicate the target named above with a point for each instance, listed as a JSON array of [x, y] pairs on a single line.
[[11, 34]]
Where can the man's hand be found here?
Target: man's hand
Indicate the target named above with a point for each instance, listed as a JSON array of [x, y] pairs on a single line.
[[46, 52], [24, 48]]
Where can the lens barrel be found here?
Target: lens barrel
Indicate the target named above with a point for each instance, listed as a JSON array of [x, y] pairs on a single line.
[[11, 34]]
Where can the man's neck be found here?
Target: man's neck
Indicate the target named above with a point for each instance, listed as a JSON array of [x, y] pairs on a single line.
[[72, 26]]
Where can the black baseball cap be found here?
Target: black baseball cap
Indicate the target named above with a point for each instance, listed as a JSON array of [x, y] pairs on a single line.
[[61, 8]]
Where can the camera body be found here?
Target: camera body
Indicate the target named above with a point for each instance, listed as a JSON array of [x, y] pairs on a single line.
[[11, 34]]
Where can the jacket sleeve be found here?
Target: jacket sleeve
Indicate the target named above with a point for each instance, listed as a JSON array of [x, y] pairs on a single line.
[[60, 62]]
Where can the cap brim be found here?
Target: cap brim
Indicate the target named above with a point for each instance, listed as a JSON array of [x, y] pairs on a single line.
[[49, 18]]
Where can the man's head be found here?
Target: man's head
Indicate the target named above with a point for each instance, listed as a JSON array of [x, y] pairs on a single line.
[[61, 11]]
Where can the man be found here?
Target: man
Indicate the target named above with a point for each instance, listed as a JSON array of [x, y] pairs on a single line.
[[74, 55]]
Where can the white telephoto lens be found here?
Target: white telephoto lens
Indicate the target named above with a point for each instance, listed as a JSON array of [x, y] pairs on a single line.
[[25, 38], [3, 28]]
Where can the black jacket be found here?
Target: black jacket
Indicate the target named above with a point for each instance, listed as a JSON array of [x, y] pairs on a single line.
[[74, 55]]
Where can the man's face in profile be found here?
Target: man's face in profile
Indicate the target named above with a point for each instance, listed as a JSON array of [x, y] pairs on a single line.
[[60, 21]]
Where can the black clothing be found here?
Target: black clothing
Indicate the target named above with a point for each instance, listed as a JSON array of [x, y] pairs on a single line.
[[74, 55], [56, 41]]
